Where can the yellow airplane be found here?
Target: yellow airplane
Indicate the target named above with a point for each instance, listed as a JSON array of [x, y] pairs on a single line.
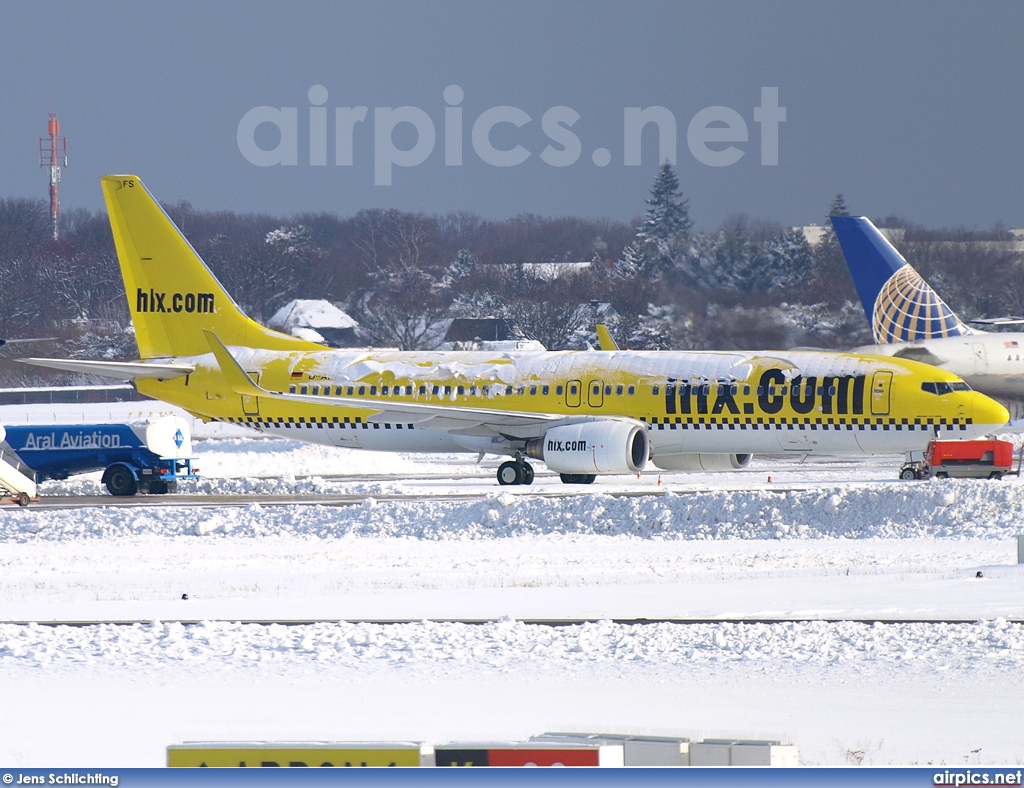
[[581, 413]]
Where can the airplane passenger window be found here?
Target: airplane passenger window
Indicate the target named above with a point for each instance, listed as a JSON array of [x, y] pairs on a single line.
[[437, 390], [572, 389], [746, 391], [472, 391], [291, 389], [350, 390], [522, 390], [618, 390], [423, 389], [373, 390], [362, 390], [545, 390], [383, 389], [461, 390], [508, 389], [337, 391], [607, 390], [631, 390], [447, 390], [533, 390], [486, 390], [654, 391], [304, 390]]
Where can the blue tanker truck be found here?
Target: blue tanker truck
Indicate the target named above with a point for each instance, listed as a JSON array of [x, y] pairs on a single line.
[[144, 456]]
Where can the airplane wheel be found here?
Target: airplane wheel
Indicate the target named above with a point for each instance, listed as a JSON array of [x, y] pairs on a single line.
[[527, 473], [590, 478], [908, 474], [508, 473], [119, 481], [577, 478]]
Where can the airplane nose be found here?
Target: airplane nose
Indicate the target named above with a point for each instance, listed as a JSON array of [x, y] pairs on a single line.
[[986, 410]]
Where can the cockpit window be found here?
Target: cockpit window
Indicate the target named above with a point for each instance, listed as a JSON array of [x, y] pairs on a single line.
[[944, 388]]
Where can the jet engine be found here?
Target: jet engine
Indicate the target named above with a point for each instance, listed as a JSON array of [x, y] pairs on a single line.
[[701, 462], [593, 447]]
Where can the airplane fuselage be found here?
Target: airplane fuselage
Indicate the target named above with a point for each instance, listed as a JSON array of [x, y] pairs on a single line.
[[990, 363], [691, 402]]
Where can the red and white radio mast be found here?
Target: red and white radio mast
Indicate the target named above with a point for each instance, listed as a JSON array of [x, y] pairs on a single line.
[[53, 153]]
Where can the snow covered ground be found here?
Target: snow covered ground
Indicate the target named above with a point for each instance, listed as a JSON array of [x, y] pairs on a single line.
[[843, 575]]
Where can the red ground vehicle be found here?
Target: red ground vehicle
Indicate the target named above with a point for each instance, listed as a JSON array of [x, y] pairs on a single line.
[[961, 460]]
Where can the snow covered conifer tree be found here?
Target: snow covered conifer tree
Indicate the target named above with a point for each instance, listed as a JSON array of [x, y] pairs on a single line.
[[838, 208], [665, 233]]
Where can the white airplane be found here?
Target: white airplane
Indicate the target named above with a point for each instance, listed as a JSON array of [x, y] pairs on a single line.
[[581, 413], [909, 320]]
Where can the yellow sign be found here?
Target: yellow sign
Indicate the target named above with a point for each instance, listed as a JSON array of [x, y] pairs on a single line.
[[256, 754]]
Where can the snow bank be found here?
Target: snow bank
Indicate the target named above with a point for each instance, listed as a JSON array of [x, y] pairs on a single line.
[[947, 509], [510, 644]]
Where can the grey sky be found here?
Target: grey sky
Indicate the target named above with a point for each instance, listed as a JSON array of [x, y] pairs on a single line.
[[911, 108]]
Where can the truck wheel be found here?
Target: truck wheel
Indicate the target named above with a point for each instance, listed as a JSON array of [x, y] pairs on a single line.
[[995, 475], [942, 475], [120, 481], [908, 474], [158, 488], [23, 499]]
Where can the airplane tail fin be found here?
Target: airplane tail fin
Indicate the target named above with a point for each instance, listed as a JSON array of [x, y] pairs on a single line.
[[899, 304], [172, 296]]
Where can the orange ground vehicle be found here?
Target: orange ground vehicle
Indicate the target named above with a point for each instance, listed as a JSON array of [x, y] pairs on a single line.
[[989, 459]]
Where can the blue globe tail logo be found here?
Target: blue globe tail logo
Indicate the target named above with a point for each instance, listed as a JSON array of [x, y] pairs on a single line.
[[907, 309]]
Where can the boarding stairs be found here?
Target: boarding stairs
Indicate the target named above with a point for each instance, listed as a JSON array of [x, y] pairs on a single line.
[[15, 477]]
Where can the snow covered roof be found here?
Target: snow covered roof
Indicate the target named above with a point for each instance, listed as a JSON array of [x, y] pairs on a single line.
[[310, 313]]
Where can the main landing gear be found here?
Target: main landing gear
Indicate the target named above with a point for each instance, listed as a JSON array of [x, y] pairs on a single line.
[[516, 471]]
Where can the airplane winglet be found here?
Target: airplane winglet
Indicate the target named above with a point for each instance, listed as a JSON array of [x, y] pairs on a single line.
[[604, 338], [236, 377]]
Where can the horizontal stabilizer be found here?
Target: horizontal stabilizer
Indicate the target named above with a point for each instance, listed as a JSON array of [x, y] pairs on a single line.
[[236, 377], [27, 340], [1008, 320], [120, 370]]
